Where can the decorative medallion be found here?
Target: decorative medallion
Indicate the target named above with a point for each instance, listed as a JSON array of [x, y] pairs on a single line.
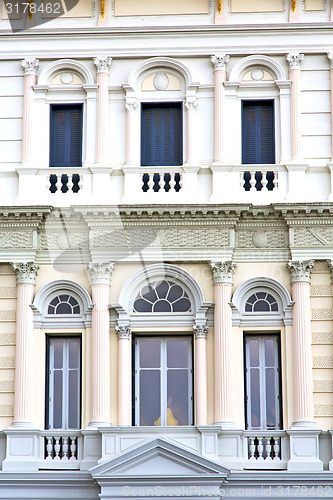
[[260, 239], [161, 81], [66, 78]]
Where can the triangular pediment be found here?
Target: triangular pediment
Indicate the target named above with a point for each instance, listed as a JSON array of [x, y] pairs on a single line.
[[159, 458]]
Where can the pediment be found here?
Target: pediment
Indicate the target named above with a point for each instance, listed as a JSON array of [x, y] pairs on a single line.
[[161, 459]]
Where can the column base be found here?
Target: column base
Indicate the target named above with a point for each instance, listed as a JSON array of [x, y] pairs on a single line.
[[226, 424], [304, 450], [23, 451], [96, 424]]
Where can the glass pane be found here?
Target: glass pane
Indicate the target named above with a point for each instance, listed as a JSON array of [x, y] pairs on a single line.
[[269, 352], [252, 299], [64, 308], [76, 309], [74, 354], [149, 293], [50, 310], [72, 301], [270, 398], [175, 293], [57, 354], [181, 305], [270, 299], [261, 306], [274, 307], [57, 399], [150, 354], [55, 301], [162, 306], [248, 307], [261, 295], [177, 397], [177, 354], [64, 298], [141, 305], [255, 398], [254, 352], [73, 399], [162, 289], [150, 397]]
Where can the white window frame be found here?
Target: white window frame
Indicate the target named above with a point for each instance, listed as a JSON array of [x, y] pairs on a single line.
[[163, 379]]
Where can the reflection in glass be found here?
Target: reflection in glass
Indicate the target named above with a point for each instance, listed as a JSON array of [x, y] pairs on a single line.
[[150, 356], [177, 397], [177, 353], [150, 397], [255, 398]]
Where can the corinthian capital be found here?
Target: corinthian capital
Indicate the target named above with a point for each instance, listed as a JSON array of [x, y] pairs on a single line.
[[294, 60], [200, 331], [26, 272], [220, 61], [300, 270], [103, 64], [223, 272], [330, 59], [100, 274], [30, 66], [131, 105], [123, 332], [190, 104]]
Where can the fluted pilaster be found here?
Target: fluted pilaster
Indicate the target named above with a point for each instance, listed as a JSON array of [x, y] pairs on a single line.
[[124, 375], [220, 65], [294, 60], [200, 370], [103, 65], [131, 106], [190, 105], [30, 67]]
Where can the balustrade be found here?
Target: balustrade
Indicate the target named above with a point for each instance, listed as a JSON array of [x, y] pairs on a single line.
[[167, 181], [259, 180], [64, 183]]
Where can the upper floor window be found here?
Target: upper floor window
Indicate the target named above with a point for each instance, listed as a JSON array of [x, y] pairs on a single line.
[[258, 136], [261, 302], [161, 134], [64, 304], [162, 296], [66, 135]]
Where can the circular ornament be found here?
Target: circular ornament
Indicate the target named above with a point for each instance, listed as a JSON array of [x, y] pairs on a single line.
[[161, 81], [257, 74], [66, 78], [260, 239], [63, 242]]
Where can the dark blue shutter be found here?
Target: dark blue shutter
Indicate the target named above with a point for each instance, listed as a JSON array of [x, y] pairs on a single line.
[[66, 136], [258, 138], [161, 134]]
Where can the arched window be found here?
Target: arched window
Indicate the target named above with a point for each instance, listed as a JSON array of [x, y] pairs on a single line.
[[162, 296], [261, 302], [64, 304]]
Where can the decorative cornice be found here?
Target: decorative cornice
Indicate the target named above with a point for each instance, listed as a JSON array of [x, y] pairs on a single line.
[[103, 64], [30, 66], [330, 59], [131, 105], [123, 332], [100, 273], [191, 104], [26, 272], [220, 61], [223, 272], [300, 270], [200, 331], [294, 60]]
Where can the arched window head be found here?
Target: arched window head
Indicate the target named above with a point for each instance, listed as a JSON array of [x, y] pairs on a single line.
[[162, 297], [261, 302], [63, 304]]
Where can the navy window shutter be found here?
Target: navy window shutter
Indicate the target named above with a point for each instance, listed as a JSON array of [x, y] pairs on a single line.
[[161, 134], [66, 136], [258, 137]]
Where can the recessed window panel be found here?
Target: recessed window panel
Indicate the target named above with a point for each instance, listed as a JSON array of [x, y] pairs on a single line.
[[177, 397], [177, 354], [150, 354], [255, 398]]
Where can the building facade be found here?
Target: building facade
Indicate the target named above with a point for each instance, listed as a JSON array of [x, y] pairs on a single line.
[[166, 249]]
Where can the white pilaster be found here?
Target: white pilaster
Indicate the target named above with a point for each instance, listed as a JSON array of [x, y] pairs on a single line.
[[200, 370], [131, 106], [294, 60], [220, 65], [103, 65], [100, 279], [223, 278], [30, 67], [124, 375]]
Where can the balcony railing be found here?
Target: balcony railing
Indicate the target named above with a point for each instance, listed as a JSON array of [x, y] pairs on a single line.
[[259, 181], [64, 183], [162, 180], [62, 449], [265, 449]]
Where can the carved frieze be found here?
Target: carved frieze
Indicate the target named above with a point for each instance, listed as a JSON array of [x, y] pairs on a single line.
[[321, 290], [6, 386], [16, 239], [7, 338], [6, 363], [7, 315], [6, 410], [6, 269], [323, 385], [323, 410], [276, 238], [320, 267], [60, 240], [205, 237], [313, 237], [7, 292], [321, 314], [322, 361], [322, 338]]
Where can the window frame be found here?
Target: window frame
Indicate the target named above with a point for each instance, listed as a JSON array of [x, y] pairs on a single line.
[[163, 385], [48, 380], [64, 106]]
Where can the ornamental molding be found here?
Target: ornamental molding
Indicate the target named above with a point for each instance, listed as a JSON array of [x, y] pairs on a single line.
[[322, 361], [220, 61], [223, 272], [319, 338], [294, 59], [330, 266], [103, 64], [131, 105], [300, 271], [123, 332], [30, 66], [191, 104], [200, 331], [26, 272], [100, 273]]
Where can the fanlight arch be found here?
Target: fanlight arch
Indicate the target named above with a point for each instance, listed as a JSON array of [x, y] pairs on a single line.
[[159, 62], [63, 65], [257, 60]]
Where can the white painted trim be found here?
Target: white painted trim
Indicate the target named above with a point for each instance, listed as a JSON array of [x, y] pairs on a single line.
[[237, 71], [46, 75], [154, 62]]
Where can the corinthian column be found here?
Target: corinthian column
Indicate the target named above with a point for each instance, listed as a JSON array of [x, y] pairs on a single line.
[[30, 67], [100, 279], [103, 65], [124, 375], [294, 60], [223, 278], [220, 65], [200, 370], [26, 273], [301, 332]]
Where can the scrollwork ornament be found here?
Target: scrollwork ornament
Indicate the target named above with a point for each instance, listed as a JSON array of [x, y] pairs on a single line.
[[30, 66], [223, 272], [200, 331], [100, 273], [123, 332], [294, 60], [26, 272], [220, 61], [103, 64], [300, 270]]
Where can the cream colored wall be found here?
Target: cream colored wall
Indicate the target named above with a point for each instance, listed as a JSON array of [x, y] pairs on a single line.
[[256, 6], [314, 4], [160, 7], [7, 344]]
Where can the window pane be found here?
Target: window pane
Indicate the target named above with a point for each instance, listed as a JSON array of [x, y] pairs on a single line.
[[162, 306], [64, 308], [57, 399], [261, 306], [254, 352], [255, 398], [58, 355], [175, 293], [177, 397], [74, 353], [269, 352], [141, 305], [181, 305], [149, 293], [150, 397], [177, 354], [73, 399], [150, 354], [270, 398], [162, 289]]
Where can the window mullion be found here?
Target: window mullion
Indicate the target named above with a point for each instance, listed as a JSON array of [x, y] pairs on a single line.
[[262, 383], [164, 388], [65, 365]]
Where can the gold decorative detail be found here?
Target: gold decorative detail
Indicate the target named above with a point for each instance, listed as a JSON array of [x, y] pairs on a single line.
[[219, 6], [293, 5], [30, 13], [102, 9]]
